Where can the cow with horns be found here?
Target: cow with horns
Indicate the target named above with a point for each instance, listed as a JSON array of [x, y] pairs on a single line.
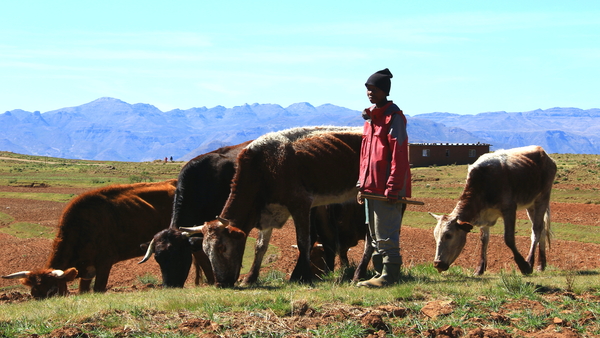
[[498, 184], [281, 174], [98, 229], [203, 187]]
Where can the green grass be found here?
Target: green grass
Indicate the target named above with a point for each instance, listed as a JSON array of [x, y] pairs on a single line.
[[25, 170], [62, 198], [148, 313], [28, 230], [5, 219]]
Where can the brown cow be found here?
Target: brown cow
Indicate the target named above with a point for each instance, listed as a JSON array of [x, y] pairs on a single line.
[[98, 229], [278, 175], [498, 184], [203, 186]]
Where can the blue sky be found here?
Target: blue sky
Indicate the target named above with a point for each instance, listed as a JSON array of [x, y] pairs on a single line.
[[462, 57]]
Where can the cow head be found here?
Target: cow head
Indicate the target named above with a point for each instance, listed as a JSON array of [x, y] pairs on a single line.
[[450, 237], [172, 250], [45, 282], [224, 245]]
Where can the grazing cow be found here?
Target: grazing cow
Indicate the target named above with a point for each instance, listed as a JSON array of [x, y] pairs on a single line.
[[498, 184], [278, 175], [98, 229], [203, 186]]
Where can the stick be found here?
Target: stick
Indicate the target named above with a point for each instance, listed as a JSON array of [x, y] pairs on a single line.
[[383, 198]]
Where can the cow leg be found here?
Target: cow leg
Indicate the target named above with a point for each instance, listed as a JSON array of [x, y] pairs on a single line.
[[537, 216], [544, 237], [201, 260], [361, 269], [344, 261], [323, 228], [102, 273], [510, 218], [301, 216], [198, 271], [262, 244], [84, 285], [485, 240]]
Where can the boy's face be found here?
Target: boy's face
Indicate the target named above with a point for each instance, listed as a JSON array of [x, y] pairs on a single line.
[[376, 95]]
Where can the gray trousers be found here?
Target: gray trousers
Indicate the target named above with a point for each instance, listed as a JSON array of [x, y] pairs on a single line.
[[384, 220]]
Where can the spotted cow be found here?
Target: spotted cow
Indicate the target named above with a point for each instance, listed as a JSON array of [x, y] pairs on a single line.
[[281, 174], [498, 184]]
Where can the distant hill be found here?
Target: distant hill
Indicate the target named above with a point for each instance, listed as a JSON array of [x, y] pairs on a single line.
[[558, 130], [110, 129]]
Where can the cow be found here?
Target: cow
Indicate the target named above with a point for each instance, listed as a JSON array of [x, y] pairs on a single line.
[[98, 229], [339, 227], [498, 184], [203, 186], [281, 174]]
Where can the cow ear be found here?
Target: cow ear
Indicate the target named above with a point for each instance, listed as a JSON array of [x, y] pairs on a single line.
[[70, 274], [465, 226], [235, 233], [144, 246], [196, 243]]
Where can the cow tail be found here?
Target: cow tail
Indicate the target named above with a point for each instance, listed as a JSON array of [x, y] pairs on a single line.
[[548, 227]]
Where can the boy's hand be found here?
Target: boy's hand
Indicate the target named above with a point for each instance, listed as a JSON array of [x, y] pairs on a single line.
[[359, 198]]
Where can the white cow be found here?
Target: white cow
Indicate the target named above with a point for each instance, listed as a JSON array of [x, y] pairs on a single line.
[[498, 184]]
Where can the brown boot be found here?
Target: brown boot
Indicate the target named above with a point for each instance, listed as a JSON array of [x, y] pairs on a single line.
[[389, 276]]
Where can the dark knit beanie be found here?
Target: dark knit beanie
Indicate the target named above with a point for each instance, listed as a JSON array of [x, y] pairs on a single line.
[[381, 80]]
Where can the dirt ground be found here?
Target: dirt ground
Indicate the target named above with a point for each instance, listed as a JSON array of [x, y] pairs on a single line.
[[417, 245]]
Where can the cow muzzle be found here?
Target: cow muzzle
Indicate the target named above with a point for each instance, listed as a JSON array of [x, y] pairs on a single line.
[[441, 266]]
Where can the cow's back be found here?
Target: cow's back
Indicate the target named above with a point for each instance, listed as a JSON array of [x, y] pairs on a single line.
[[517, 175], [109, 223], [203, 186], [328, 163]]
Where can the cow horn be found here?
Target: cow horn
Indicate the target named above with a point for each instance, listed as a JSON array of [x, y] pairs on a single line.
[[192, 230], [223, 220], [149, 252], [21, 274], [438, 217]]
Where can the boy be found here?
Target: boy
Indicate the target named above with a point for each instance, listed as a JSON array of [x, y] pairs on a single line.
[[384, 171]]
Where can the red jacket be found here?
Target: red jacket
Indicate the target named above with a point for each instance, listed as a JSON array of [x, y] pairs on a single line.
[[384, 166]]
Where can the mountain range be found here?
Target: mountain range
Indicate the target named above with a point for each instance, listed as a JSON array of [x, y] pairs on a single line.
[[110, 129]]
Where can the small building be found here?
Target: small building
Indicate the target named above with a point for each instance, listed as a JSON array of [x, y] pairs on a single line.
[[426, 154]]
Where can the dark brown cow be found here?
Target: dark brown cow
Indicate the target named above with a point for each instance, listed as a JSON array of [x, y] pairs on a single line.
[[498, 184], [340, 227], [98, 229], [278, 175]]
